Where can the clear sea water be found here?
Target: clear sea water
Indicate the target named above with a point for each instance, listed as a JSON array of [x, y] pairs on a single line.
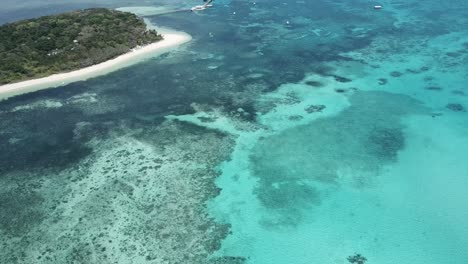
[[300, 132]]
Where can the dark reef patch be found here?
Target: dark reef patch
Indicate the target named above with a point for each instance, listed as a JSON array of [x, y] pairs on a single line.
[[396, 74], [458, 92], [341, 79], [227, 260], [357, 259], [314, 83], [382, 81], [314, 108], [386, 142], [295, 117], [455, 107], [433, 88], [340, 90], [412, 71], [362, 138], [424, 68], [453, 54]]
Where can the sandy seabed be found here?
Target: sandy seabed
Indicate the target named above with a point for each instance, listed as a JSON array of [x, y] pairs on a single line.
[[170, 41]]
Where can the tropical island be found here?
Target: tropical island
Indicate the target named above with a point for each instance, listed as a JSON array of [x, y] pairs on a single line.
[[55, 50], [43, 46]]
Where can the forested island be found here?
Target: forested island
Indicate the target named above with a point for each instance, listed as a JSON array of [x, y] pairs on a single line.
[[40, 47]]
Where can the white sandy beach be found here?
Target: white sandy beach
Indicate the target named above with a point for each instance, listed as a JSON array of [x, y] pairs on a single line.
[[170, 41]]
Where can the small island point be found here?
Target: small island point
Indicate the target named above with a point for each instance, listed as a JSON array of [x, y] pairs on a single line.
[[60, 49]]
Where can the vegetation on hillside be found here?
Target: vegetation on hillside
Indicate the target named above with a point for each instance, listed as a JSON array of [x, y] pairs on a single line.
[[59, 43]]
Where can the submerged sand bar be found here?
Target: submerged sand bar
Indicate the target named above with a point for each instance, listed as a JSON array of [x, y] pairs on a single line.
[[170, 41]]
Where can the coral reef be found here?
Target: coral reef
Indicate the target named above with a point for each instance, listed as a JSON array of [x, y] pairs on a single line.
[[396, 74], [382, 81], [455, 107], [138, 197], [433, 88], [315, 108], [341, 79], [357, 259], [295, 117], [339, 90], [314, 83], [458, 92]]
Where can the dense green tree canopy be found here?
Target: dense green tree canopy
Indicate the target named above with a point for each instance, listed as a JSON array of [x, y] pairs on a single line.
[[43, 46]]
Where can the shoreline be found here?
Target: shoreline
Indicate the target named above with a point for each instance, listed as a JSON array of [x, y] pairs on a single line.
[[171, 40]]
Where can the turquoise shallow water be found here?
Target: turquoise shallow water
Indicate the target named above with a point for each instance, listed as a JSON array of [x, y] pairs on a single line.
[[286, 132]]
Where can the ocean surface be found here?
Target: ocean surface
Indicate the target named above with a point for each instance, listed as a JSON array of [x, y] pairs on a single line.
[[286, 132]]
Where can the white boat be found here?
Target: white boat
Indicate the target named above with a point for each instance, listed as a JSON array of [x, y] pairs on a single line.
[[202, 7], [198, 8]]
